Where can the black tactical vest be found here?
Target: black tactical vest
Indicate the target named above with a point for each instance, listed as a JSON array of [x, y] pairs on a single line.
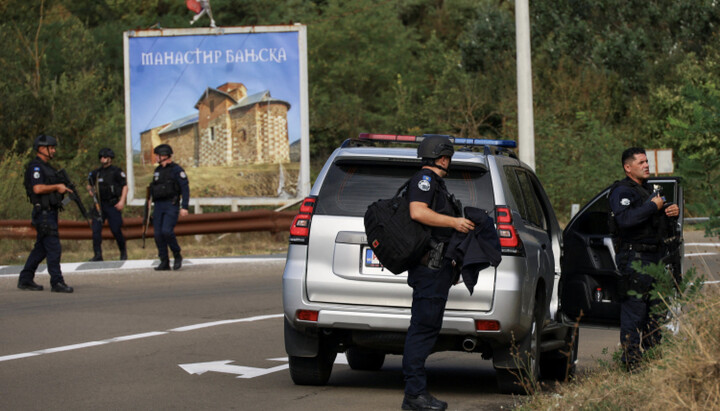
[[164, 186], [45, 201]]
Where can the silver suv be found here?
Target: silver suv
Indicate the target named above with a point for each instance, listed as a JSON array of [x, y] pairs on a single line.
[[338, 298]]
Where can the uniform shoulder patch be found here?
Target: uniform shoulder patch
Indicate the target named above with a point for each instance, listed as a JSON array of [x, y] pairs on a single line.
[[122, 173], [183, 175], [625, 201], [424, 184]]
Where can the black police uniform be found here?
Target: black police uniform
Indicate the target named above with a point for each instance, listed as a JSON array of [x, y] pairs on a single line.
[[45, 220], [638, 223], [430, 287], [110, 182], [168, 185]]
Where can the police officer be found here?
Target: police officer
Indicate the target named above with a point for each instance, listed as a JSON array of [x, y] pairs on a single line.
[[433, 206], [46, 195], [169, 185], [111, 185], [638, 214]]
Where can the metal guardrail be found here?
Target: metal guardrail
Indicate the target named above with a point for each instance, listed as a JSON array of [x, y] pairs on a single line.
[[210, 223]]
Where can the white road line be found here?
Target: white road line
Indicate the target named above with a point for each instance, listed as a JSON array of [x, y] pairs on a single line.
[[134, 337], [698, 254], [114, 266], [703, 244]]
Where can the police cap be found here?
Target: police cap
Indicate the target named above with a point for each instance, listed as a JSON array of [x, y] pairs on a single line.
[[43, 140], [163, 150], [433, 147], [106, 152]]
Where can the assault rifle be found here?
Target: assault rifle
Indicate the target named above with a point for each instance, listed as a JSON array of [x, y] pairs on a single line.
[[73, 194], [94, 192], [146, 213]]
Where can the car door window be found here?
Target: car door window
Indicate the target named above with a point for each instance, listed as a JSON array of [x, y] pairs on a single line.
[[516, 191], [532, 205]]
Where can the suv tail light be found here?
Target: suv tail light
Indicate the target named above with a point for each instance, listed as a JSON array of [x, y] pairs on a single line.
[[509, 239], [300, 227]]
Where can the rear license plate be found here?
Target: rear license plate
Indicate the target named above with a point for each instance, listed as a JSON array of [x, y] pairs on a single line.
[[370, 258]]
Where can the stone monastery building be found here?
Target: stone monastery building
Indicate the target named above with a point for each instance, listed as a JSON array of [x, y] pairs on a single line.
[[230, 128]]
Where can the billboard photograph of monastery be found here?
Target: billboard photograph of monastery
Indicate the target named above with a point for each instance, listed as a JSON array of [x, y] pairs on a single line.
[[229, 104]]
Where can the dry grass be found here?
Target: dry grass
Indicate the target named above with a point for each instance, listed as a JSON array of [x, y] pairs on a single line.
[[208, 245], [684, 375], [259, 180]]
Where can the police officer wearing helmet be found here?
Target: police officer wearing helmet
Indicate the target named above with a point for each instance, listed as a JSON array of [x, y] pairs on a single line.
[[170, 192], [638, 214], [433, 206], [46, 194], [108, 185]]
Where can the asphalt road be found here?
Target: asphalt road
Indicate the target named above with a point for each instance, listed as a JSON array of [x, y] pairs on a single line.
[[140, 339]]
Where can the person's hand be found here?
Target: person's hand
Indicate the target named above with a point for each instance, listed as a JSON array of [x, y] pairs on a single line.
[[672, 211], [62, 189], [463, 225], [659, 202], [183, 212], [120, 205]]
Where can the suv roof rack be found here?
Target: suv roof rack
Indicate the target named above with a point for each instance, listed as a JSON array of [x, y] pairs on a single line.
[[490, 146]]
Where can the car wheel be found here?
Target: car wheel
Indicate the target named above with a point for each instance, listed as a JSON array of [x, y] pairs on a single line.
[[561, 364], [312, 370], [365, 360], [524, 378]]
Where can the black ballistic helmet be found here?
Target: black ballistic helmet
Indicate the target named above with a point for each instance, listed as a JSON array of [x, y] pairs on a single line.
[[106, 152], [433, 147], [43, 140], [163, 150]]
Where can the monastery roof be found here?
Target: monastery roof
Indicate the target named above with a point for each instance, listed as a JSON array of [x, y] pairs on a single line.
[[180, 123]]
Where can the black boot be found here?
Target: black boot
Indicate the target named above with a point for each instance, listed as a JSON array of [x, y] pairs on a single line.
[[123, 252], [96, 257], [178, 261], [164, 265]]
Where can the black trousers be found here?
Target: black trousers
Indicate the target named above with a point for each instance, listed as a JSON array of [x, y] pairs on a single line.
[[430, 293], [165, 217], [47, 245], [639, 327], [114, 218]]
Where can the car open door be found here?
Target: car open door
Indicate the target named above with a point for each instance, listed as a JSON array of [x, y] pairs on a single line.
[[590, 278]]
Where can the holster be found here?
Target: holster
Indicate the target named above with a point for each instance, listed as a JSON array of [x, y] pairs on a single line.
[[433, 258]]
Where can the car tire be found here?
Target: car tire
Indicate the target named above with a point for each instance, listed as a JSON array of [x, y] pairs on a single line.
[[524, 379], [561, 364], [312, 370], [361, 359]]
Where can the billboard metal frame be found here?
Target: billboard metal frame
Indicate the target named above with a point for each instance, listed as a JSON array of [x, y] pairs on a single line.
[[303, 184]]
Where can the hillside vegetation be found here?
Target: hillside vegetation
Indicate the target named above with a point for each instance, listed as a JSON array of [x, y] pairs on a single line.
[[606, 75]]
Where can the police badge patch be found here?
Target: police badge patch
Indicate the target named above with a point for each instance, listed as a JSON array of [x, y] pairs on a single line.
[[183, 175], [625, 202], [424, 184]]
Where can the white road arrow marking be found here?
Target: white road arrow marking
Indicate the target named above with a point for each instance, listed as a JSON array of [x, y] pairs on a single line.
[[225, 367]]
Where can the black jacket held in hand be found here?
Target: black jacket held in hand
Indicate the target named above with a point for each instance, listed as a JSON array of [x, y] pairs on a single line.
[[476, 250]]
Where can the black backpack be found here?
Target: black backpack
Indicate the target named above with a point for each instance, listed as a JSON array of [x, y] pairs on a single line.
[[399, 242]]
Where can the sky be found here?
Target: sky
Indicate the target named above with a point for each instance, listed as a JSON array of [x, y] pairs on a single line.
[[175, 71]]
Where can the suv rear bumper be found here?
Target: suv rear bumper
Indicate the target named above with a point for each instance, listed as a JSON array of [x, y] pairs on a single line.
[[513, 319]]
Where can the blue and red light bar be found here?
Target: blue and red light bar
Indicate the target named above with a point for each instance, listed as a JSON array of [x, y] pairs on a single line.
[[455, 140]]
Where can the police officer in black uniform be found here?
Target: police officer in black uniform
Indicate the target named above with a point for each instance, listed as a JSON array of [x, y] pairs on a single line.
[[169, 185], [638, 213], [431, 278], [46, 194], [112, 190]]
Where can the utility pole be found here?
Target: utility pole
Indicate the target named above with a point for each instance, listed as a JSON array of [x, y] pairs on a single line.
[[526, 122]]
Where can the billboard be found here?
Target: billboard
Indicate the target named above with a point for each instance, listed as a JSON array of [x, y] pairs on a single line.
[[232, 102]]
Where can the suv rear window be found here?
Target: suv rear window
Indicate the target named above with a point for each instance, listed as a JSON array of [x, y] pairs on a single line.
[[352, 185]]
